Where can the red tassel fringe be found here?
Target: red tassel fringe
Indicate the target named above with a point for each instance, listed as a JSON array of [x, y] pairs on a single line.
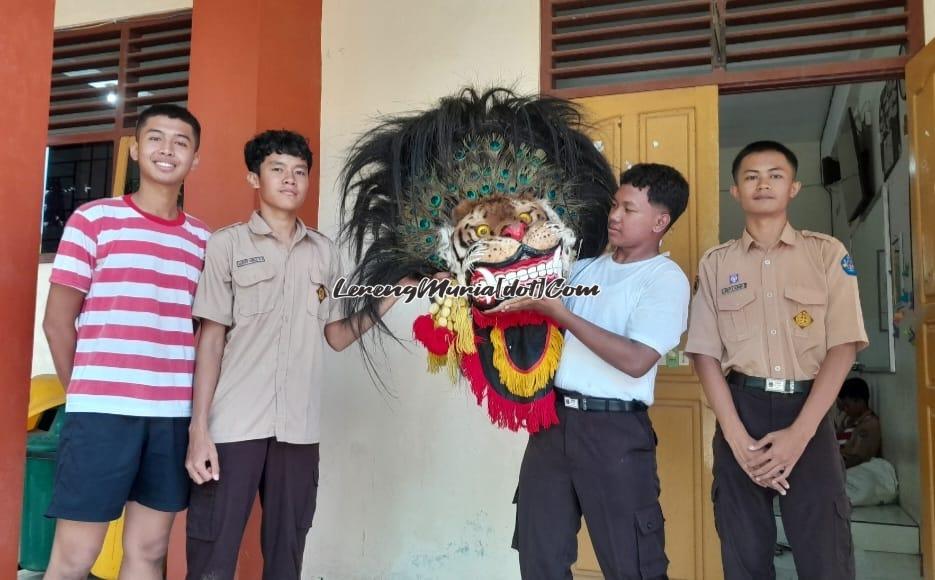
[[539, 414], [435, 340]]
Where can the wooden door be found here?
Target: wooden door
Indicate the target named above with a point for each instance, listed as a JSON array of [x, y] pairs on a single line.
[[920, 83], [678, 128]]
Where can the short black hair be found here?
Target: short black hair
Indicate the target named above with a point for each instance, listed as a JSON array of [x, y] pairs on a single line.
[[275, 141], [763, 147], [666, 186], [173, 112], [855, 388]]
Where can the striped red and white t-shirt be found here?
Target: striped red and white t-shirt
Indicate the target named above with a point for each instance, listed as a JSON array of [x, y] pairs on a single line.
[[136, 347]]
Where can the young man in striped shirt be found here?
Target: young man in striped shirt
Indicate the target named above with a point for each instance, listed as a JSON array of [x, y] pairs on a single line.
[[119, 325]]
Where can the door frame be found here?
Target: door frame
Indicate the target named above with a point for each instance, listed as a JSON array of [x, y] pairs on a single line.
[[759, 83]]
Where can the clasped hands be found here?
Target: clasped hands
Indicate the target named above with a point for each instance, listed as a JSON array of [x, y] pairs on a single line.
[[769, 461]]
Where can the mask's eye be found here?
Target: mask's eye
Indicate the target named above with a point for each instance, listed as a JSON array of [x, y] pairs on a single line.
[[525, 217], [482, 230]]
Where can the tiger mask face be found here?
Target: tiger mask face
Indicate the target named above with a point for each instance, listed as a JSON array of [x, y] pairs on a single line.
[[509, 238]]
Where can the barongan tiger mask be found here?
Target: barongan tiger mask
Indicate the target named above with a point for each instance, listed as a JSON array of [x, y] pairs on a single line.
[[493, 188], [509, 238]]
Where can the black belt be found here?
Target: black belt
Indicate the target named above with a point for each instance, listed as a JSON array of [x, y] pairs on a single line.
[[781, 386], [573, 400]]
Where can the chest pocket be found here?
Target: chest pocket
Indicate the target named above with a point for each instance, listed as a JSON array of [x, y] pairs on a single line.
[[807, 307], [734, 314], [319, 294], [254, 289]]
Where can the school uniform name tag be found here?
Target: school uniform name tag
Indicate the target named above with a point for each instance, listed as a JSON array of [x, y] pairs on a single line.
[[248, 261], [572, 403], [734, 288]]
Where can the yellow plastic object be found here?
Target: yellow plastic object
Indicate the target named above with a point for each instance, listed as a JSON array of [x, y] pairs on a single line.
[[107, 565], [45, 392]]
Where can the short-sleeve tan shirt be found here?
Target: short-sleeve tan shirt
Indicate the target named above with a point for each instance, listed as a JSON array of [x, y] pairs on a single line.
[[774, 313], [275, 302]]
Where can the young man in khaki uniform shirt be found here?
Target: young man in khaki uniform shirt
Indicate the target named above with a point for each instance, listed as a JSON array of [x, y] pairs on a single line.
[[774, 328], [266, 309]]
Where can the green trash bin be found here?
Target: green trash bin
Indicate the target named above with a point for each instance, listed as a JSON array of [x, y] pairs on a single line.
[[36, 530]]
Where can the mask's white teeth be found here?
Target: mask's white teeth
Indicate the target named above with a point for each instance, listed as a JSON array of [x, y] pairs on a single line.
[[487, 276]]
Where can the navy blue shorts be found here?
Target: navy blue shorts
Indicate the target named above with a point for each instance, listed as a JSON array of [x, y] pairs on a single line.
[[105, 460]]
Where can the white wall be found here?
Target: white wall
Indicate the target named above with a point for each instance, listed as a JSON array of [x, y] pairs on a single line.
[[420, 485], [70, 13], [894, 394], [41, 357], [929, 15], [810, 210]]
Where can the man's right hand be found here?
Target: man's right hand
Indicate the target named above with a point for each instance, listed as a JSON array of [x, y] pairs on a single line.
[[202, 459]]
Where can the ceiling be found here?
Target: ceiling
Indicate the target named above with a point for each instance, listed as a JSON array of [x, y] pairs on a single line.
[[792, 116]]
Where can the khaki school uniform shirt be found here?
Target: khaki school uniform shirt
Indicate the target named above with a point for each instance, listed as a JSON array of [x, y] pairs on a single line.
[[774, 313], [275, 301]]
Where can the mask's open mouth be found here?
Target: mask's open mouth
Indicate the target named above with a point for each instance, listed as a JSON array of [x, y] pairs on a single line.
[[525, 266]]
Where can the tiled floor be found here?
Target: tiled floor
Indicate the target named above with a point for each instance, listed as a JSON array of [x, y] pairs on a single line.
[[870, 566]]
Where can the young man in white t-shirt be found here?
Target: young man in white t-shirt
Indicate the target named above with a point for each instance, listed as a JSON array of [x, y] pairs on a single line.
[[600, 460]]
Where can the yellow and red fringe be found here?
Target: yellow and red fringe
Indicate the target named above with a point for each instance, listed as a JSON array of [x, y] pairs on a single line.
[[525, 383]]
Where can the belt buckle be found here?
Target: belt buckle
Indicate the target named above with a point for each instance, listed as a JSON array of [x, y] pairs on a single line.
[[571, 402], [779, 386]]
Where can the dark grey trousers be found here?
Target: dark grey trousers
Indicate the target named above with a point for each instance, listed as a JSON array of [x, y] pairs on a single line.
[[815, 511], [601, 465], [286, 477]]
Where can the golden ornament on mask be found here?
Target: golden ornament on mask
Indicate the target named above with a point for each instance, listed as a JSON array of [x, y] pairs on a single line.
[[482, 230], [525, 217]]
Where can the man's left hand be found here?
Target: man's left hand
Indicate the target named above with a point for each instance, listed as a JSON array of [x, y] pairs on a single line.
[[554, 308]]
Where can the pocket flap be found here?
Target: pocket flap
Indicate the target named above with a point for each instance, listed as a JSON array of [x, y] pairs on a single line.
[[805, 295], [650, 519], [842, 505], [315, 275], [252, 274], [736, 300]]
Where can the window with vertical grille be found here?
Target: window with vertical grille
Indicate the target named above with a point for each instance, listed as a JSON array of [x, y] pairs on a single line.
[[594, 47], [103, 76]]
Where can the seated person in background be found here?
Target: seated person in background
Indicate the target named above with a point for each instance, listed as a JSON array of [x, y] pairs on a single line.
[[860, 435], [871, 480]]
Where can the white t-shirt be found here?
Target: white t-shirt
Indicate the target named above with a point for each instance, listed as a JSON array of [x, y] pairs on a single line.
[[645, 301]]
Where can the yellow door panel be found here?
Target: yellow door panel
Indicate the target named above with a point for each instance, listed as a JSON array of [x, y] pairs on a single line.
[[920, 82]]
